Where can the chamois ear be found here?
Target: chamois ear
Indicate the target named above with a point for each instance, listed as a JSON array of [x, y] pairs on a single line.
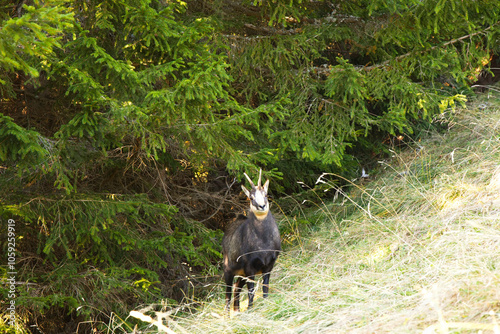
[[246, 191], [266, 185]]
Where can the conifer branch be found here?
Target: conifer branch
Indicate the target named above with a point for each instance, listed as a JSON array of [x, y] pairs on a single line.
[[324, 70], [453, 41]]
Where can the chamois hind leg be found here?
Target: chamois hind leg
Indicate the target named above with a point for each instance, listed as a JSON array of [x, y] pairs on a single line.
[[251, 290], [265, 284], [240, 283]]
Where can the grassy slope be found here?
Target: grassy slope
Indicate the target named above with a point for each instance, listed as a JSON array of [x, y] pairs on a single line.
[[416, 249]]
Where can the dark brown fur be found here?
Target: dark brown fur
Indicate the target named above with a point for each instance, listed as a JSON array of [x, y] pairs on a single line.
[[250, 247]]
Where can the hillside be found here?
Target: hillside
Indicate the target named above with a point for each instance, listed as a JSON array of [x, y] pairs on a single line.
[[414, 249]]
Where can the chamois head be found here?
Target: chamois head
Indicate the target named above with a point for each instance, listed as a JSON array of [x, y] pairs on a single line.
[[258, 197]]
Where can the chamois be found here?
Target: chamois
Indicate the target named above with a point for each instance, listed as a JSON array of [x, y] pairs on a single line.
[[250, 246]]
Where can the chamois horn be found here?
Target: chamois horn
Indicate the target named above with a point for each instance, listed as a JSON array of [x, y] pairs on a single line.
[[249, 180], [259, 183]]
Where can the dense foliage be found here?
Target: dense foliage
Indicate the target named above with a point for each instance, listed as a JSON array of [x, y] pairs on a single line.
[[123, 125]]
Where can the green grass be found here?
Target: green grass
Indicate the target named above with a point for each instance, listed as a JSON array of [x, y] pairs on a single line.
[[416, 249]]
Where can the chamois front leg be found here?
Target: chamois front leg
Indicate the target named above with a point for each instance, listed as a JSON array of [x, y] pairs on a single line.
[[251, 290], [265, 284], [228, 278]]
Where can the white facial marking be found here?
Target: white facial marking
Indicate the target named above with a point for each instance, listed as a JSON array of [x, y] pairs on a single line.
[[260, 198]]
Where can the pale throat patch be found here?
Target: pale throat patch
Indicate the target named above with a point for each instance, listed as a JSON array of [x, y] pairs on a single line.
[[260, 215]]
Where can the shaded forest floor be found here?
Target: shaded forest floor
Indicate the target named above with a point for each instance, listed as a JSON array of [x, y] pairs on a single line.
[[413, 249]]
